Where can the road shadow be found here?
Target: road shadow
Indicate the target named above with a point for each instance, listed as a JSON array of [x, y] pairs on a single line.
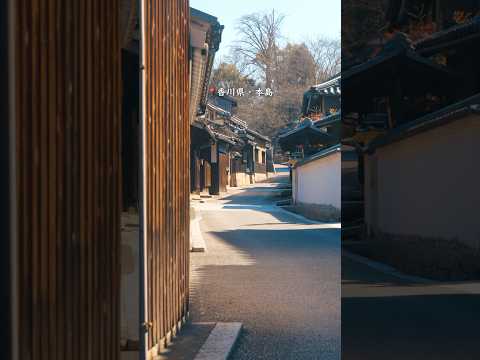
[[188, 343], [283, 285], [265, 200], [259, 239], [411, 327]]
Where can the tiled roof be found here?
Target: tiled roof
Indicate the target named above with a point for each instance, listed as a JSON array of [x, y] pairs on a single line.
[[204, 16], [236, 120], [257, 134], [226, 138], [328, 120], [218, 109], [314, 125], [458, 32], [239, 121], [318, 155], [399, 47], [331, 86]]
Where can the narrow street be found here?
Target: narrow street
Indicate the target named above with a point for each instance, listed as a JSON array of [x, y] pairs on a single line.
[[271, 270], [387, 317]]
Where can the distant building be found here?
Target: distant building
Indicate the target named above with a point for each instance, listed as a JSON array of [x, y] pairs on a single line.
[[322, 99], [225, 152], [314, 151], [225, 102], [249, 162], [311, 136]]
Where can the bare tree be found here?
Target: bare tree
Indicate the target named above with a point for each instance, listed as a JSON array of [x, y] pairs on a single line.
[[227, 75], [296, 66], [327, 56], [259, 35]]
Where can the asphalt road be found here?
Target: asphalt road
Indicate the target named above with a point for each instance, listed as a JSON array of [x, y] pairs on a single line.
[[384, 317], [270, 270]]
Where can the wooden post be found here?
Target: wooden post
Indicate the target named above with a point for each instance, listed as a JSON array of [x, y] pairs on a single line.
[[8, 313], [394, 104]]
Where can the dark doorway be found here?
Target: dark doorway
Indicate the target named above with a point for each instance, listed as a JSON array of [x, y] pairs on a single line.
[[130, 231]]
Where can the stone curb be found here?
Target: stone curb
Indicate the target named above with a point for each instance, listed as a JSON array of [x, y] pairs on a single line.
[[220, 342], [197, 242]]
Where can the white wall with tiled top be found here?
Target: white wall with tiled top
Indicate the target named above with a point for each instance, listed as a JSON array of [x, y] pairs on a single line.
[[318, 182]]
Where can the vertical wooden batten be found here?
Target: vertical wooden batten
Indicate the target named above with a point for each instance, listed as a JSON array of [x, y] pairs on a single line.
[[8, 244], [65, 175], [165, 143], [66, 129]]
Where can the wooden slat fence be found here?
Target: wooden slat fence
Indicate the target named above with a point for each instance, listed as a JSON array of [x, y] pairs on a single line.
[[67, 122], [167, 164]]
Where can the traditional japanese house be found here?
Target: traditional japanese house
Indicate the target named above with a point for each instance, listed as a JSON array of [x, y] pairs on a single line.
[[237, 155], [211, 153], [425, 149], [220, 162], [255, 151], [229, 142], [313, 146], [402, 85], [205, 40], [311, 136], [202, 138], [322, 99], [76, 118], [239, 173], [319, 125]]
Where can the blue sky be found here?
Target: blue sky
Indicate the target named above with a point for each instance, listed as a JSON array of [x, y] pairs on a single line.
[[304, 18]]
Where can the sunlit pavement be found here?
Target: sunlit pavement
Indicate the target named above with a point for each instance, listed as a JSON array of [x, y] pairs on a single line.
[[386, 317], [272, 271]]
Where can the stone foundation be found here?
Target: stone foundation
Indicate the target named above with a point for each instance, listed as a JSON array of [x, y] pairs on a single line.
[[324, 213], [440, 259]]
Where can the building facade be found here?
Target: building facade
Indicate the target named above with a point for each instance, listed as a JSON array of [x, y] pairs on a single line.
[[67, 120], [236, 154]]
